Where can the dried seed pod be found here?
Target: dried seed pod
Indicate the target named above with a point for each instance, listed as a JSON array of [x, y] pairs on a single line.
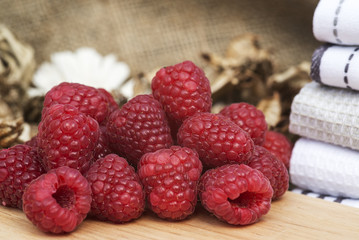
[[119, 97], [17, 64], [245, 74], [271, 108], [5, 110], [142, 83], [241, 74], [33, 108], [216, 108], [289, 83], [10, 130]]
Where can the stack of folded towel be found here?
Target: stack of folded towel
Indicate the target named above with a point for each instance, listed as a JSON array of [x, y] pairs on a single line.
[[325, 161]]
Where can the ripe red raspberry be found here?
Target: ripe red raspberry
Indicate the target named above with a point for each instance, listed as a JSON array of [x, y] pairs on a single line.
[[19, 165], [170, 178], [67, 137], [112, 104], [57, 201], [117, 193], [139, 127], [236, 194], [32, 142], [217, 140], [279, 145], [272, 168], [183, 90], [103, 145], [87, 99], [249, 118]]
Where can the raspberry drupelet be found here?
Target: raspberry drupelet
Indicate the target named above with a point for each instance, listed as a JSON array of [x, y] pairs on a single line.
[[19, 165], [112, 104], [32, 142], [236, 194], [170, 178], [103, 145], [57, 201], [183, 90], [249, 118], [67, 137], [117, 193], [86, 99], [279, 145], [272, 168], [217, 140], [139, 127]]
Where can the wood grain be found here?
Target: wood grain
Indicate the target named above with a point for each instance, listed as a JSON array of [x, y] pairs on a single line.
[[294, 216]]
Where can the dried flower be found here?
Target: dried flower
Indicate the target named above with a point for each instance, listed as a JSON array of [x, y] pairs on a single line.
[[289, 83], [17, 65], [10, 130], [242, 73], [33, 108], [271, 108], [245, 74], [142, 82], [5, 110]]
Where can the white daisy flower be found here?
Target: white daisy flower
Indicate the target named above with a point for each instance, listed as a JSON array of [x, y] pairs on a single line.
[[85, 66]]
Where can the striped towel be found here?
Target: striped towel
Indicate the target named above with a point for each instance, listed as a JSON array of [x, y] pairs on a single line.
[[336, 66], [352, 202], [336, 21]]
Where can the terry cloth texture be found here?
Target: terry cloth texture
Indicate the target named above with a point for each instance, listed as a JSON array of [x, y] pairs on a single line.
[[152, 34]]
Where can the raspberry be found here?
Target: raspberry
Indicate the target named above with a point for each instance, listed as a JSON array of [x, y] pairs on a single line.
[[19, 165], [272, 168], [279, 145], [236, 194], [67, 137], [116, 190], [139, 127], [249, 118], [57, 201], [32, 142], [112, 104], [87, 99], [103, 145], [183, 90], [170, 178], [217, 140]]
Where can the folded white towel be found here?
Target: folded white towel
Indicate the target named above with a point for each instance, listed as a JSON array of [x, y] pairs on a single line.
[[337, 21], [336, 66], [325, 168], [352, 202], [326, 114]]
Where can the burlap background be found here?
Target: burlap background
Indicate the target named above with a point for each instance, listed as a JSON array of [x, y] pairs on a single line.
[[148, 34]]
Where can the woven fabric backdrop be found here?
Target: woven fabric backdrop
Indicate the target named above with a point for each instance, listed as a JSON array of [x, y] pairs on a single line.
[[150, 34]]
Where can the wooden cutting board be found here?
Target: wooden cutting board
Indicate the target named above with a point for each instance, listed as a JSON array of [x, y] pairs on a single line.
[[294, 216]]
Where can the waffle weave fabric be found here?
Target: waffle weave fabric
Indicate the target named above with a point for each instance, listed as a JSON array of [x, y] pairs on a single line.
[[325, 168], [326, 114]]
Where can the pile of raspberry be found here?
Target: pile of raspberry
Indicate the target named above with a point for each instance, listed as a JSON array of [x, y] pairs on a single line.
[[161, 151]]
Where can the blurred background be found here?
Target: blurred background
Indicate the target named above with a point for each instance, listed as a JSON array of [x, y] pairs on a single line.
[[148, 34], [256, 51]]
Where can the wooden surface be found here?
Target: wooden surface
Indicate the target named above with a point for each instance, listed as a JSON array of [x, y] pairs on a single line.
[[295, 216]]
